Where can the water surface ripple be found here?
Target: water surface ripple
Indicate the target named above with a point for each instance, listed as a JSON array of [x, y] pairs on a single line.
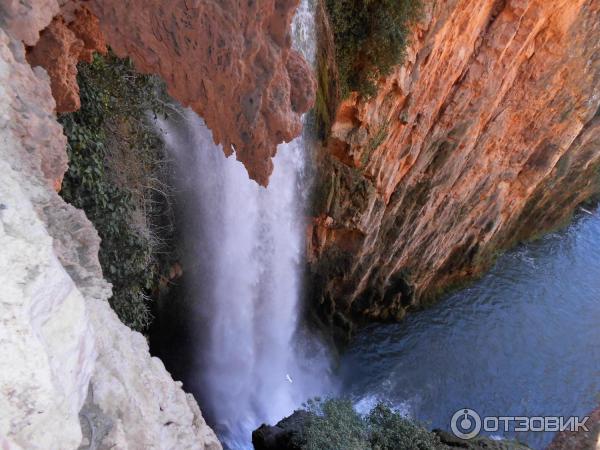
[[523, 340]]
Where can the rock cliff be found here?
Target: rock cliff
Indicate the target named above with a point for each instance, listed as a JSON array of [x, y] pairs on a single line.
[[72, 375], [60, 47], [487, 135], [230, 61]]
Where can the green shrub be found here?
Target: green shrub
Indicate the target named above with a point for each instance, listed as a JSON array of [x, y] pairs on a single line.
[[388, 430], [114, 156], [335, 425], [370, 38]]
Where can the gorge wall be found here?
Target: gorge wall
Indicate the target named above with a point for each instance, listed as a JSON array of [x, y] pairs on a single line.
[[231, 62], [487, 135], [72, 375]]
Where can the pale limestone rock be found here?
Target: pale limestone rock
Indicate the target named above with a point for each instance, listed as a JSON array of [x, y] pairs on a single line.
[[46, 340], [23, 19], [149, 410]]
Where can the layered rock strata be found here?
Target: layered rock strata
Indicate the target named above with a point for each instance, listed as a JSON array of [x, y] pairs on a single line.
[[487, 135]]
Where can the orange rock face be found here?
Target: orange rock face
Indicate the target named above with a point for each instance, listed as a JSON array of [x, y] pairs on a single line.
[[487, 135], [60, 47], [230, 61]]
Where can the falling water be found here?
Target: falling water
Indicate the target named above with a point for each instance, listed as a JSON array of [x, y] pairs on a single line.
[[246, 258]]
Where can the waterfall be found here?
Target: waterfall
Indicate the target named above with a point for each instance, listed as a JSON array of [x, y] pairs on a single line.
[[246, 261]]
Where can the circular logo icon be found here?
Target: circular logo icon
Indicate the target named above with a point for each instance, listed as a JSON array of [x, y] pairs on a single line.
[[465, 424]]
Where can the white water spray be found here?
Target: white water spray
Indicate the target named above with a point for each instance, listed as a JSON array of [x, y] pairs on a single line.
[[248, 265]]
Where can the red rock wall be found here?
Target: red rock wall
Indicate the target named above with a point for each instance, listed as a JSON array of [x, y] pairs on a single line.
[[488, 134], [230, 61], [60, 47]]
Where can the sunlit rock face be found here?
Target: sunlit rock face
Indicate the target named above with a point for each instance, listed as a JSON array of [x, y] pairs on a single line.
[[77, 375], [488, 134], [71, 373], [230, 61]]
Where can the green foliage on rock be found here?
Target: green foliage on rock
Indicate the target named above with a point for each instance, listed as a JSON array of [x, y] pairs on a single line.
[[370, 38], [322, 109], [388, 430], [115, 164], [335, 425]]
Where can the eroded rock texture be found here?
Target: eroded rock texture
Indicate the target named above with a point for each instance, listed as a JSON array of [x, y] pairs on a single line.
[[68, 364], [230, 61], [60, 47], [46, 339], [487, 135], [24, 19]]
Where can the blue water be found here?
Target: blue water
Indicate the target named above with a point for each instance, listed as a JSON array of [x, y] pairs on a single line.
[[523, 340]]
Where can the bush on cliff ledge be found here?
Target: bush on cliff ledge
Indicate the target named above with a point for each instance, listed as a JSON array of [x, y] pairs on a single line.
[[335, 425], [370, 38], [116, 175]]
